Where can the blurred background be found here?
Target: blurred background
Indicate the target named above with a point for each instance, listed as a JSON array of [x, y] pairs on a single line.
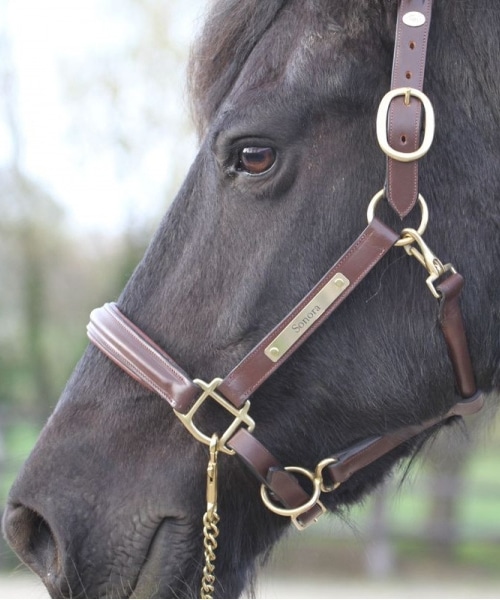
[[95, 139]]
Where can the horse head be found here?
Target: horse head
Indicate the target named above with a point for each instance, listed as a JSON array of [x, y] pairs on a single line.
[[285, 94]]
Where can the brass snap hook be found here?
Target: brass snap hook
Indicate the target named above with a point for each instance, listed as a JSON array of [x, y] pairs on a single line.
[[423, 254], [326, 462], [210, 522], [212, 476], [425, 257]]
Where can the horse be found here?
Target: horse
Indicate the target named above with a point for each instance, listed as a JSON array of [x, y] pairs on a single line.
[[285, 96]]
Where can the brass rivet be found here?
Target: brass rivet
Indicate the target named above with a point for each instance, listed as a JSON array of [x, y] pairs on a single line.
[[274, 351]]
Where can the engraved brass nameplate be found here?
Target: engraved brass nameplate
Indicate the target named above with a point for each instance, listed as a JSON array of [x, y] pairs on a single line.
[[307, 317]]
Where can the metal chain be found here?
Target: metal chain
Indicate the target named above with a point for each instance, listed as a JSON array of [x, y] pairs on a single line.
[[210, 533], [210, 521]]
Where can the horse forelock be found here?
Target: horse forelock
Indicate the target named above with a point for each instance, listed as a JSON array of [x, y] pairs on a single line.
[[233, 28], [230, 32]]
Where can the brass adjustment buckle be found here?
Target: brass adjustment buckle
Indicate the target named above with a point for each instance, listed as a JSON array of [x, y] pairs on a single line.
[[240, 414], [295, 513], [425, 257], [382, 114]]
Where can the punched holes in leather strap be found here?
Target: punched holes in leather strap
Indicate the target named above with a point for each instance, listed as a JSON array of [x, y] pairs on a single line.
[[404, 119]]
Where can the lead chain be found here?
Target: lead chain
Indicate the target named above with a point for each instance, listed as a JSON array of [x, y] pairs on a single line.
[[210, 521]]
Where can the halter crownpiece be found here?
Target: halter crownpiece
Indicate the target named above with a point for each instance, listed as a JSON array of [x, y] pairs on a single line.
[[399, 134], [404, 106]]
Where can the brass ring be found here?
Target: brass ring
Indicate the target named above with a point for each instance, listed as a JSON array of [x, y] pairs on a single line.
[[405, 240], [299, 510]]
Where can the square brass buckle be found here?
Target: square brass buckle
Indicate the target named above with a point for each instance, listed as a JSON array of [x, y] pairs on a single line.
[[240, 414]]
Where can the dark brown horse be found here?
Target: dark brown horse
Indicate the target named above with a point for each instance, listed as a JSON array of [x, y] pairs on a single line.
[[285, 95]]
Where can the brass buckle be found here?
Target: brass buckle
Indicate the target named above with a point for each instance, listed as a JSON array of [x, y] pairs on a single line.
[[294, 513], [240, 414], [430, 125]]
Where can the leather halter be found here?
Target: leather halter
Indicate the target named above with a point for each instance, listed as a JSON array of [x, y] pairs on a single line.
[[133, 351]]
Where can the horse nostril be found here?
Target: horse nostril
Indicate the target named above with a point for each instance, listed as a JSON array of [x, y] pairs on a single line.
[[31, 538]]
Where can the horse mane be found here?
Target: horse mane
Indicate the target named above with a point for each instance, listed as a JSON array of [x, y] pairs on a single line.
[[231, 30]]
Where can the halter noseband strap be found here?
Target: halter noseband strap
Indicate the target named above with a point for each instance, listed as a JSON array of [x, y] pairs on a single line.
[[398, 129]]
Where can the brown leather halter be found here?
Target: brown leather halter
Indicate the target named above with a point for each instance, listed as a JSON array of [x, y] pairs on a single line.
[[399, 132]]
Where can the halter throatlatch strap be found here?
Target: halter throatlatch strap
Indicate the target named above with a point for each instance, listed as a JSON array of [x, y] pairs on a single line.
[[404, 113], [452, 326], [350, 461]]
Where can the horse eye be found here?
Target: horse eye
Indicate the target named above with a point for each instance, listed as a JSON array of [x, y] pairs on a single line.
[[256, 160]]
